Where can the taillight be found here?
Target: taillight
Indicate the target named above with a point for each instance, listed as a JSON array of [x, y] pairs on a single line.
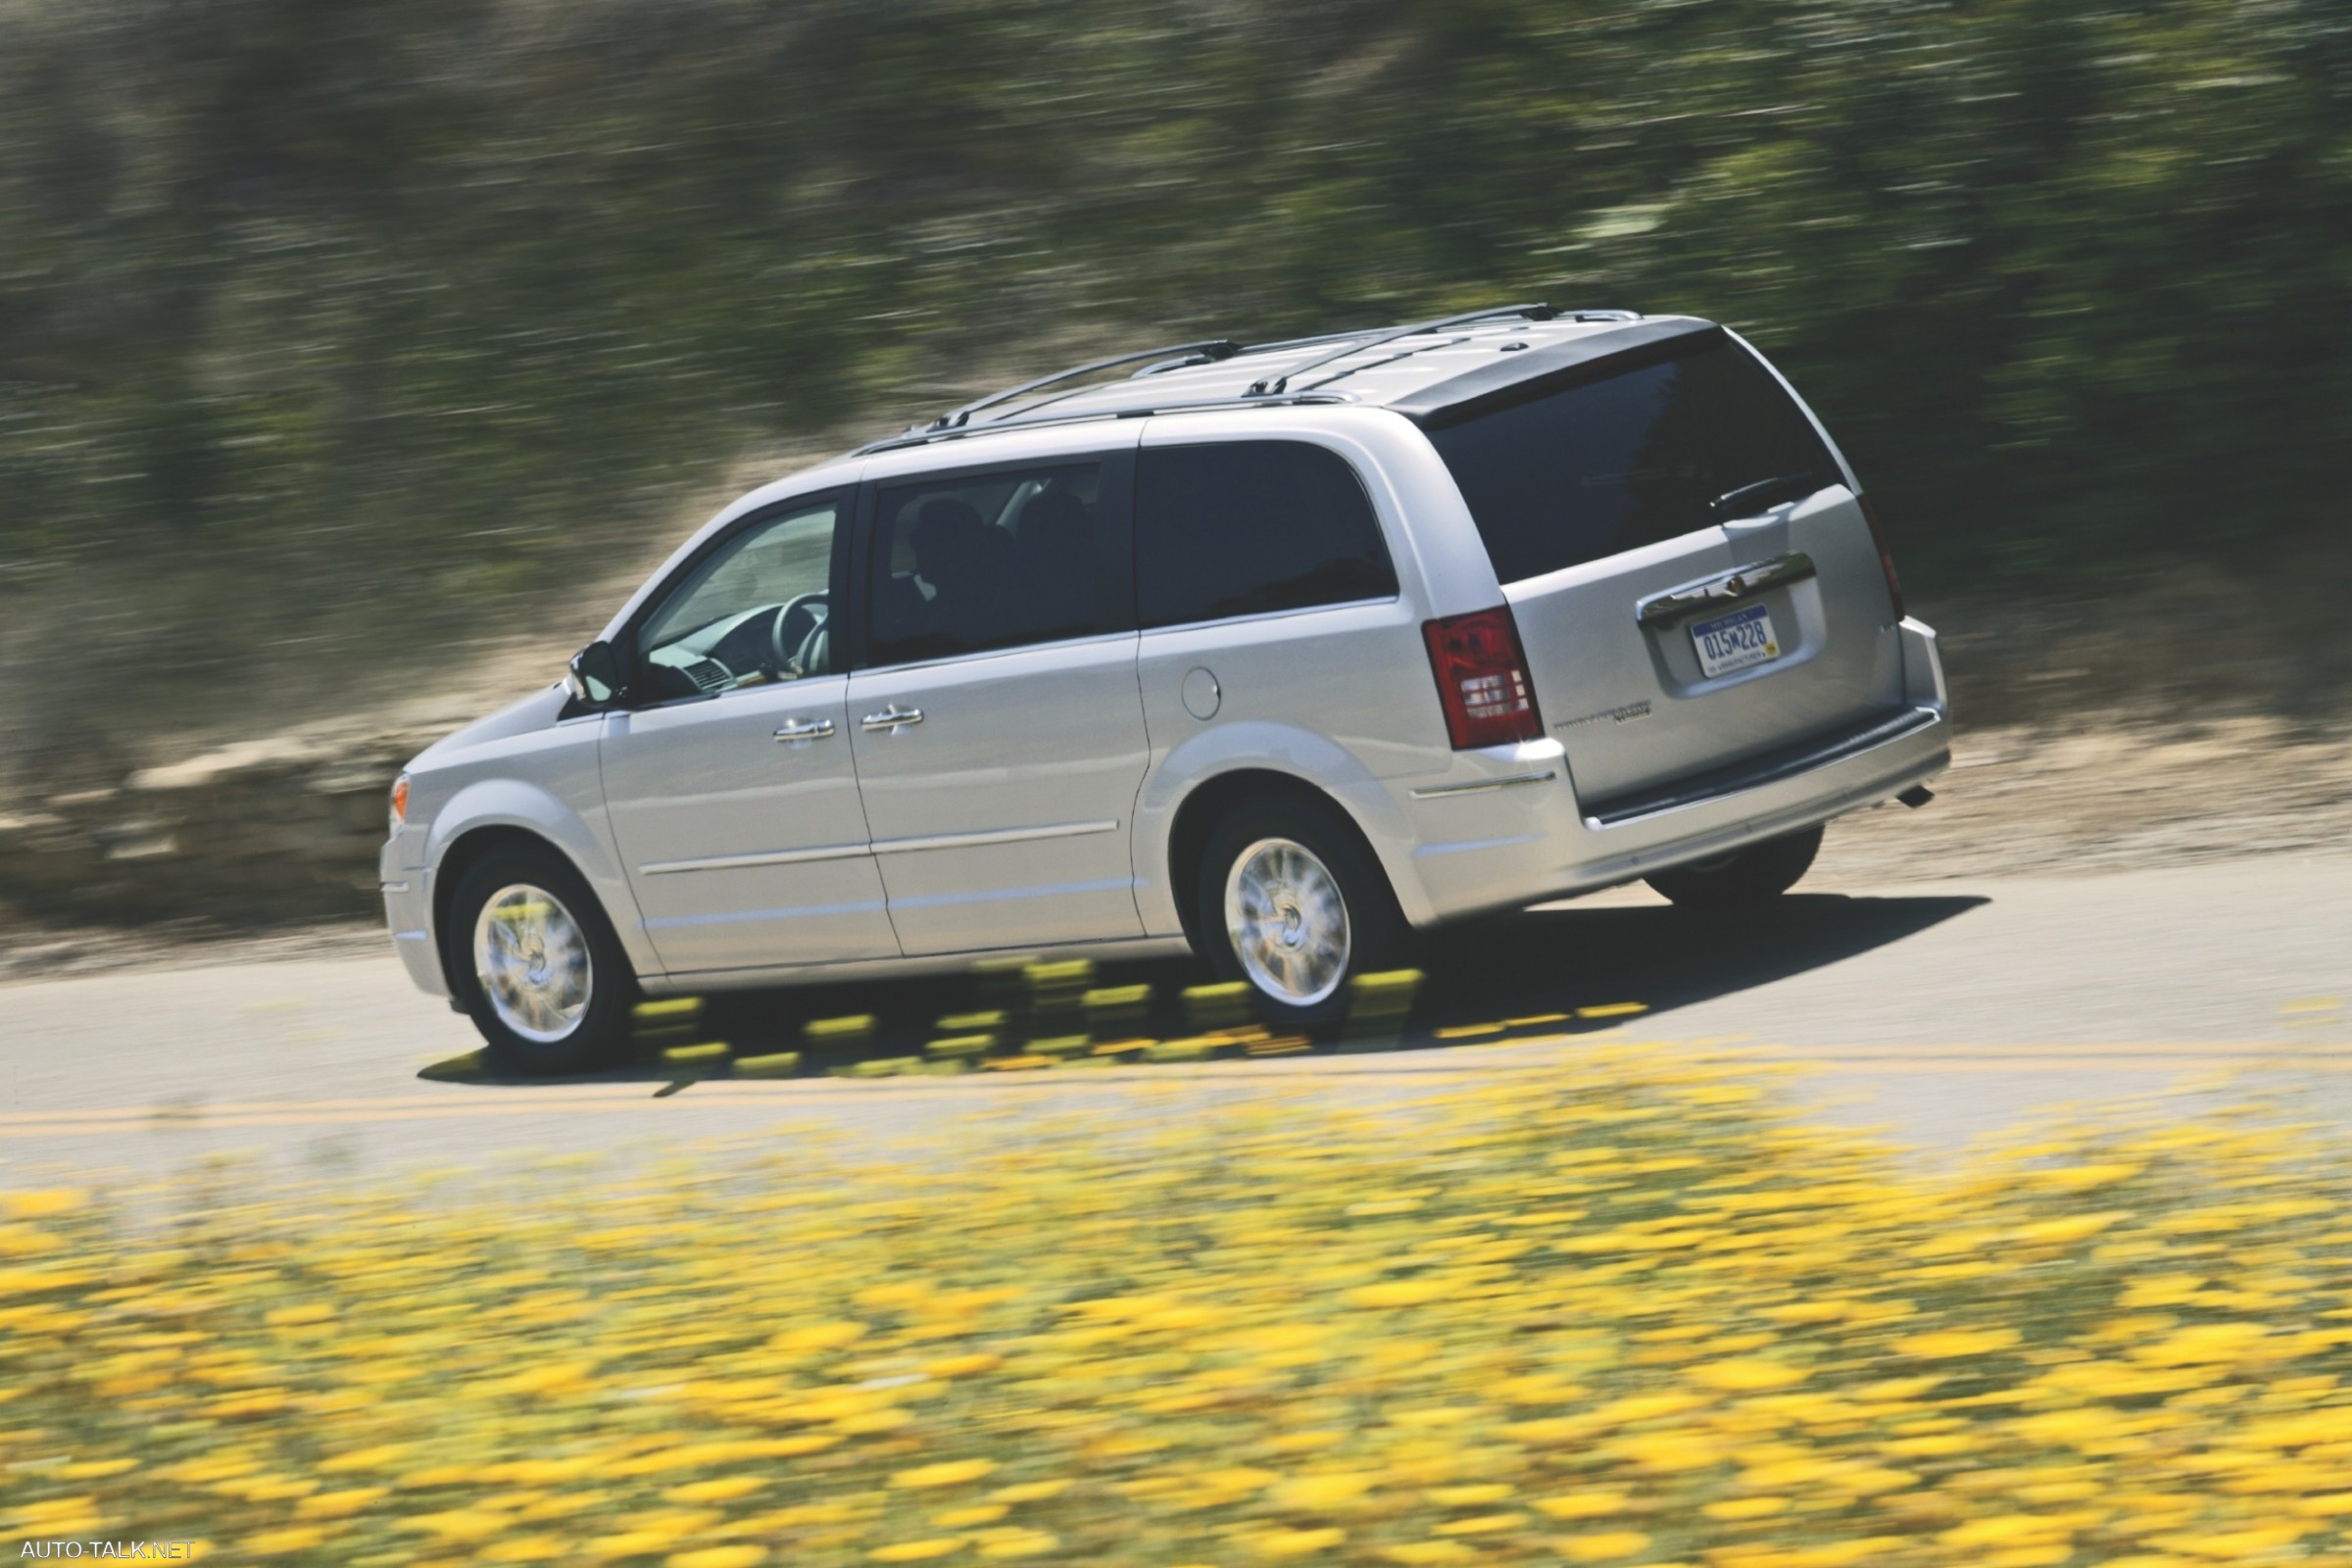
[[399, 802], [1878, 537], [1482, 679]]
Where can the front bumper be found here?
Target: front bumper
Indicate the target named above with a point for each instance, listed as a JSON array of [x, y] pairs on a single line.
[[408, 893]]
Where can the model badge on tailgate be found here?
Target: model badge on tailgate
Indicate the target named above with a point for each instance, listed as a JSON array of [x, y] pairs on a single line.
[[1623, 715]]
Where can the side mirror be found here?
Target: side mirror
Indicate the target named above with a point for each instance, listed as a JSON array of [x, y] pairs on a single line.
[[595, 674]]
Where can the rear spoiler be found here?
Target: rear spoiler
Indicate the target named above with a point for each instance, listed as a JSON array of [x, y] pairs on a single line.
[[1516, 378]]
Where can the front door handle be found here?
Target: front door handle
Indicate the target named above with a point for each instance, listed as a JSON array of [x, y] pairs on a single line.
[[893, 718], [804, 729]]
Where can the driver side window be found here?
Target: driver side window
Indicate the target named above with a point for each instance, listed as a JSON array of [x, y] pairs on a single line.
[[754, 612]]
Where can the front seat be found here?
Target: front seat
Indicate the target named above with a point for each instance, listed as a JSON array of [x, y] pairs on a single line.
[[1057, 562]]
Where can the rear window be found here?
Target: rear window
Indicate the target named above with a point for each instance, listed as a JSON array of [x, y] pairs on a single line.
[[1611, 464], [1243, 528]]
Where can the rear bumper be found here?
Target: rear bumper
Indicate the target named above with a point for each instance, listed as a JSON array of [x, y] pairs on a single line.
[[1756, 773], [1526, 837]]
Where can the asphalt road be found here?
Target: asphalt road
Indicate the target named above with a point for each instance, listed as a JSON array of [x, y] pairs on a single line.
[[1939, 1011]]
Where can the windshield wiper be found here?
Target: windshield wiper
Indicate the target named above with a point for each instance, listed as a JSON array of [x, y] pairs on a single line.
[[1751, 499]]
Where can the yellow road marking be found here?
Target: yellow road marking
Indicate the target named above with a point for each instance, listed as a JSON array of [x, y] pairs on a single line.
[[552, 1099], [2046, 1065], [2228, 1050], [813, 1094]]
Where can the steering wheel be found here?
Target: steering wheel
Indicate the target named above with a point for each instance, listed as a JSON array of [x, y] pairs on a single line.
[[796, 621]]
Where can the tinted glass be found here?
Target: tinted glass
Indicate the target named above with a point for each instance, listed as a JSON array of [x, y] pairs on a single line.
[[1249, 526], [964, 564], [1627, 460], [753, 612]]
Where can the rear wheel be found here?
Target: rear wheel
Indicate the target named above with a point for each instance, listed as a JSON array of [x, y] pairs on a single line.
[[1293, 904], [535, 964], [1742, 876]]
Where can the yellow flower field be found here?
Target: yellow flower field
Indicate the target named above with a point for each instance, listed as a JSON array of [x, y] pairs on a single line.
[[1627, 1314]]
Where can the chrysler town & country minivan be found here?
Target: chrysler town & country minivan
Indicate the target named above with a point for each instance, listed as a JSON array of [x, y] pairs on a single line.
[[1275, 654]]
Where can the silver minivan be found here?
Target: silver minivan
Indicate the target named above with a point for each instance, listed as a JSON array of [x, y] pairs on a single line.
[[1275, 654]]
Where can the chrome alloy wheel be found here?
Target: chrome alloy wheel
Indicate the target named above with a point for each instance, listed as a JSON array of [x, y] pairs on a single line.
[[532, 960], [1287, 920]]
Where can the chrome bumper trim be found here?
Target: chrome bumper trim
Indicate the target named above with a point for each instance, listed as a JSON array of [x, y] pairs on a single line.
[[1757, 772], [1482, 785]]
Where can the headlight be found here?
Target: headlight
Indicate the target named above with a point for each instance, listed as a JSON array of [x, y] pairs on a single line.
[[399, 802]]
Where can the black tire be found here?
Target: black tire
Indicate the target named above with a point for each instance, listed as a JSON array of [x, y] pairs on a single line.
[[1375, 927], [1742, 877], [599, 1036]]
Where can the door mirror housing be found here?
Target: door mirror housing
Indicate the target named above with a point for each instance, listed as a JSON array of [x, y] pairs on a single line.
[[595, 674]]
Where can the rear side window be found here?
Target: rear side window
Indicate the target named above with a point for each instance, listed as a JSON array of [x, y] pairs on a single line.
[[966, 564], [1611, 464], [1243, 528]]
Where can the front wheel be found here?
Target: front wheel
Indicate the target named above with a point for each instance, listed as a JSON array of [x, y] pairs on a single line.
[[1292, 903], [1743, 876], [535, 964]]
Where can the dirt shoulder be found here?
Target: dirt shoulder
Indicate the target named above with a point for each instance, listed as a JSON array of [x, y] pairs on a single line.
[[2020, 801], [2040, 799], [2176, 717]]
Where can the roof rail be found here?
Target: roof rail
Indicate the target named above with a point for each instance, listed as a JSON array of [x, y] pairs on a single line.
[[1273, 385], [1266, 390], [915, 435], [957, 418]]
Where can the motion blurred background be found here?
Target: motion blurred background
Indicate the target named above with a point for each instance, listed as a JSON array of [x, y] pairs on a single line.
[[356, 356]]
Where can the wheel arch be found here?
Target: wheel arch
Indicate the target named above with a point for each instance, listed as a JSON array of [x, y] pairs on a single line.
[[600, 1035], [468, 850], [563, 815], [1213, 799]]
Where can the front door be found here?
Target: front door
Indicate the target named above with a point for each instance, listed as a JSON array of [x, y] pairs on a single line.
[[731, 785], [996, 722]]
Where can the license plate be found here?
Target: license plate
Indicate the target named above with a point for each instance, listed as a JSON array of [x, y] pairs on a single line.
[[1734, 641]]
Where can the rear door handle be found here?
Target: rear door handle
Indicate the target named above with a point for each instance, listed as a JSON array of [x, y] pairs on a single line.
[[804, 729], [1667, 608], [893, 718]]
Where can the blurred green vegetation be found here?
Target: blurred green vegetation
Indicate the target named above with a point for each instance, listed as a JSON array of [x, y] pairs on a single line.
[[322, 318]]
